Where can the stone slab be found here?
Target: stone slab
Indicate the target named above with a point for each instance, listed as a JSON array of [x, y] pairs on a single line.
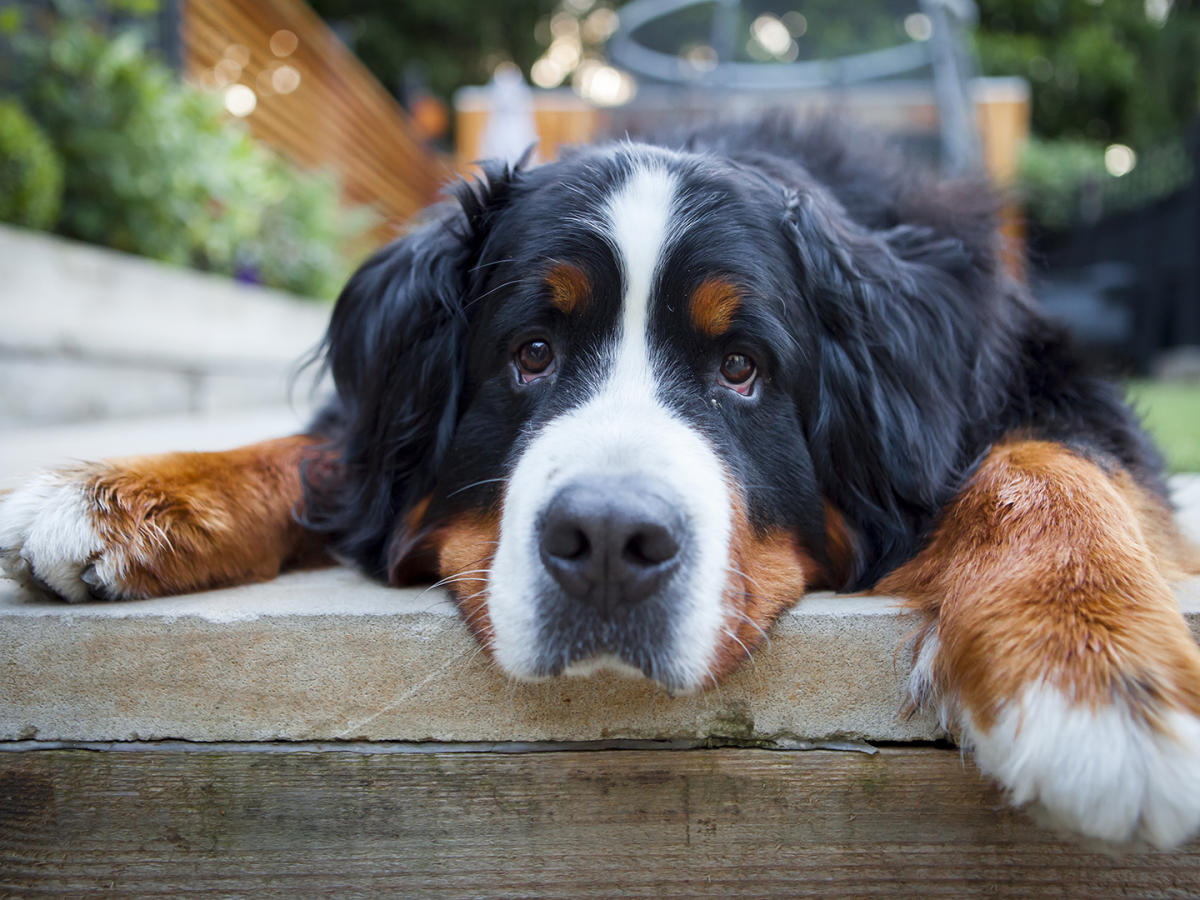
[[51, 391], [328, 656], [66, 298]]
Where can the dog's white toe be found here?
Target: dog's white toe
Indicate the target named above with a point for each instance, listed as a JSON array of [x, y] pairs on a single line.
[[49, 539], [1098, 770]]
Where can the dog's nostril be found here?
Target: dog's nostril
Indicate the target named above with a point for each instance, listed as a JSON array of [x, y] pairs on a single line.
[[610, 542], [651, 546], [565, 542]]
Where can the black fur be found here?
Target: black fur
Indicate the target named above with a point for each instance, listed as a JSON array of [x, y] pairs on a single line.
[[394, 349]]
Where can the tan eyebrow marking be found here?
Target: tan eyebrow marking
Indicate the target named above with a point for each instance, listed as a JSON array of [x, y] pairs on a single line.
[[570, 290], [713, 304]]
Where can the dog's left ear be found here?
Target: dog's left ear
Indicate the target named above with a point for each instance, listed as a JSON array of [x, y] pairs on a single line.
[[395, 349], [884, 412]]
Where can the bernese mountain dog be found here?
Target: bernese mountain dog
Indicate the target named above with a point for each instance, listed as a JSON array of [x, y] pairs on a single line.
[[630, 405]]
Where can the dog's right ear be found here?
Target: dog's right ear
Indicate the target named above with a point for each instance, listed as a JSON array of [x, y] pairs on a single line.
[[395, 348]]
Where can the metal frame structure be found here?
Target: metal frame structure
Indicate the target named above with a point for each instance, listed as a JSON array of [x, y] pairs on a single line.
[[943, 53]]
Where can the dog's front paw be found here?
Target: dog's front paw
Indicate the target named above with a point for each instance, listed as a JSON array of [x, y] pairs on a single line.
[[53, 538], [1123, 771]]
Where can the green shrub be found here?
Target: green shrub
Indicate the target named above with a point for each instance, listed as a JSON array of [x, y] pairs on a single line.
[[155, 167], [1053, 174], [31, 177], [1062, 182]]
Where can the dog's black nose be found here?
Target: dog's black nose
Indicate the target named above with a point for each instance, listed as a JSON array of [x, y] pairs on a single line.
[[610, 542]]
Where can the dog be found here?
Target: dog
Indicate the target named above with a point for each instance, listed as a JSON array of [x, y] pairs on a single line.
[[630, 405]]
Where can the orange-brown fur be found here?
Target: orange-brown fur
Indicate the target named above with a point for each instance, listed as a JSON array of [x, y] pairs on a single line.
[[570, 290], [191, 521], [713, 305], [1046, 567], [1177, 557], [465, 550], [767, 574]]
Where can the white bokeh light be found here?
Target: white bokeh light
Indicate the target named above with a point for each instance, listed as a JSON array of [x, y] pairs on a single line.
[[1119, 160], [240, 100]]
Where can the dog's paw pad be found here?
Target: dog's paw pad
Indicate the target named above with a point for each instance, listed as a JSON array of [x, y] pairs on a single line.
[[50, 541]]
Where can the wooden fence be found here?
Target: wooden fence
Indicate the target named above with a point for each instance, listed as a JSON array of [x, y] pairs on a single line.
[[312, 100]]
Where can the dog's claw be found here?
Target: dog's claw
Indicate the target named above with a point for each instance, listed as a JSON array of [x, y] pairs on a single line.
[[96, 588]]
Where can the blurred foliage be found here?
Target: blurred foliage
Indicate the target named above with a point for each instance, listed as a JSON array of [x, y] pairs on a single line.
[[1064, 182], [31, 176], [155, 167], [443, 43], [1054, 175], [1100, 70]]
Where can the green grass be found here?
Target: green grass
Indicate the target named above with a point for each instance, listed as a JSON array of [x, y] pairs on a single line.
[[1171, 413]]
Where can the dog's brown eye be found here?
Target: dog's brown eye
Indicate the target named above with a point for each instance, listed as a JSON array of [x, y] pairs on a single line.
[[534, 360], [737, 372]]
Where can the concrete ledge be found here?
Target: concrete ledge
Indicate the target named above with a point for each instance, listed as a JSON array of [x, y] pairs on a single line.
[[327, 655], [90, 333], [75, 298]]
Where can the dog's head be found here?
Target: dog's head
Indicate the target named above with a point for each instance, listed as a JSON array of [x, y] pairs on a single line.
[[631, 404]]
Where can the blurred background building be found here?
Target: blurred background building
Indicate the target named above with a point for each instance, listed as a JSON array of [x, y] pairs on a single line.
[[273, 143]]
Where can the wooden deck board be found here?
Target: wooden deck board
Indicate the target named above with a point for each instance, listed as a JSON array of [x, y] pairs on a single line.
[[906, 821]]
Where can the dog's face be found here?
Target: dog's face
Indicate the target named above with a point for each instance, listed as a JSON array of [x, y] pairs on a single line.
[[649, 466], [589, 402]]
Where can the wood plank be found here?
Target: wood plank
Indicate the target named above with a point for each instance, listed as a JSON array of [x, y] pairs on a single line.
[[218, 822]]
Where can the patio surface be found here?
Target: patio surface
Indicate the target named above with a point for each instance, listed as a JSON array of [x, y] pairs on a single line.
[[330, 656]]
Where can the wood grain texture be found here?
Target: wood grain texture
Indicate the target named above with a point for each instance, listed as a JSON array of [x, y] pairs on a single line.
[[339, 117], [905, 822]]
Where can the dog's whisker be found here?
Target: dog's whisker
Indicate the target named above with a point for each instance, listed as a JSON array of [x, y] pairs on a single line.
[[736, 571], [753, 624], [733, 637], [469, 575], [495, 262], [476, 484]]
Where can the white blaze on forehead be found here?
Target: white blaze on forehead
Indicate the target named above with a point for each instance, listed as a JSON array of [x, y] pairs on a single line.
[[639, 219]]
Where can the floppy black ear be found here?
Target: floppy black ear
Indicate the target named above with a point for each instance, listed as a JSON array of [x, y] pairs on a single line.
[[885, 413], [395, 348]]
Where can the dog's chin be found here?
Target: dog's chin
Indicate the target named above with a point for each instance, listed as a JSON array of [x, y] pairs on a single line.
[[605, 662], [611, 664], [603, 665]]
